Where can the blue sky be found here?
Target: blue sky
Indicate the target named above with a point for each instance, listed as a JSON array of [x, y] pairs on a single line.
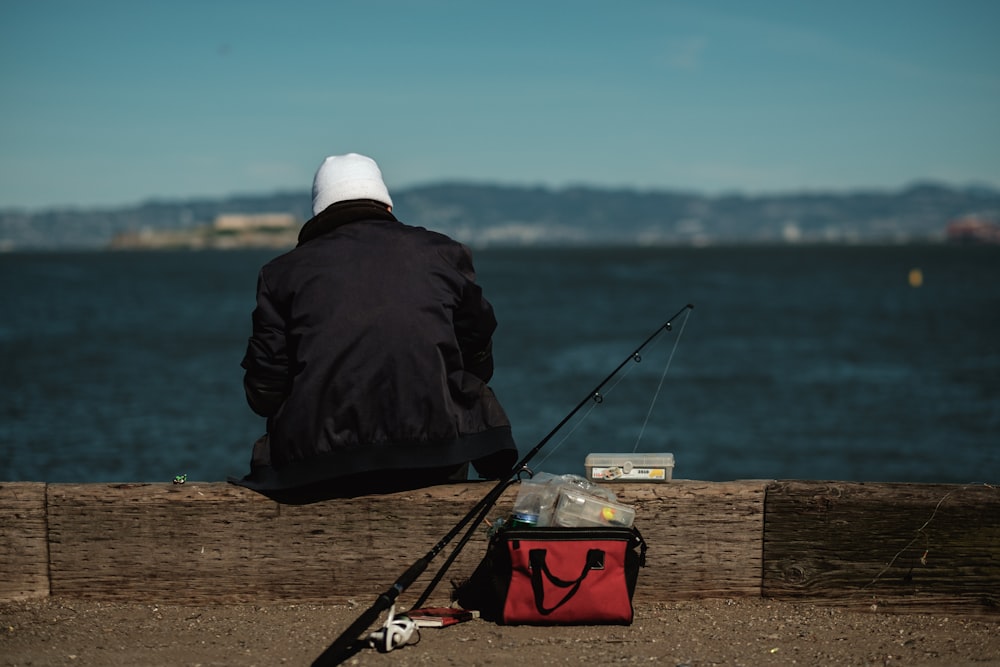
[[110, 103]]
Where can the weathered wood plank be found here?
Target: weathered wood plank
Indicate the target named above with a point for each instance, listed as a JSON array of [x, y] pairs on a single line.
[[894, 546], [914, 547], [219, 542], [150, 541], [705, 538], [224, 543], [24, 558]]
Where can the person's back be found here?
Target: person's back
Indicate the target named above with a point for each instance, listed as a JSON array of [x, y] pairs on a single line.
[[370, 353]]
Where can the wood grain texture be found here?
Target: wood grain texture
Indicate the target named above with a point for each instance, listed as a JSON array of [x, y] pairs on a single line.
[[705, 538], [24, 566], [220, 542], [901, 547], [914, 547]]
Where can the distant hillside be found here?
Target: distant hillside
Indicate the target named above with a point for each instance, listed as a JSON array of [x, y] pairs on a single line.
[[492, 215]]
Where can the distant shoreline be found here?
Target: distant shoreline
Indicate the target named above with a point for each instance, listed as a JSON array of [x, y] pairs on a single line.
[[488, 215], [192, 242]]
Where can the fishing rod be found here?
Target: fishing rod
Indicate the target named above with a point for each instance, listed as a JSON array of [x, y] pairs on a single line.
[[349, 640], [595, 396]]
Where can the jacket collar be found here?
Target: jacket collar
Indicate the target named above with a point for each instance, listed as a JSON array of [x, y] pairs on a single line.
[[342, 213]]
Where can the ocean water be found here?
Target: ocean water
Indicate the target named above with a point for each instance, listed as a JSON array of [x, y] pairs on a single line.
[[821, 362]]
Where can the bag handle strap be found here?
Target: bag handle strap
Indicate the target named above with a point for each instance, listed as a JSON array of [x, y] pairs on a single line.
[[536, 557], [641, 543]]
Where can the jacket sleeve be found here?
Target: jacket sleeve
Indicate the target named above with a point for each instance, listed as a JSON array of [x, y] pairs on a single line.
[[474, 321], [267, 380]]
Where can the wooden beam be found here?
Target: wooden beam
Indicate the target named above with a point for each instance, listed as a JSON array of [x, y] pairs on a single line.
[[705, 538], [912, 547], [223, 543], [24, 557], [902, 547]]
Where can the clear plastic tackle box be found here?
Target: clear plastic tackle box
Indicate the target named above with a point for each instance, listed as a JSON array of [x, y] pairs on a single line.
[[582, 509]]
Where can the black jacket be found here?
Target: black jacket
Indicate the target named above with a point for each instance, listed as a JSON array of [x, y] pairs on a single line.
[[371, 350]]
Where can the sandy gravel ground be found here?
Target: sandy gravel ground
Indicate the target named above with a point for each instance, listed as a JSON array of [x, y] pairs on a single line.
[[709, 632]]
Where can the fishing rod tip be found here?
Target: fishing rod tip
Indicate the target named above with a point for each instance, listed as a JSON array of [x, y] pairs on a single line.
[[691, 306]]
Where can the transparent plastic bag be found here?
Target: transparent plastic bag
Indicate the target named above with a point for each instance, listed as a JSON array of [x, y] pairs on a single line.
[[582, 503]]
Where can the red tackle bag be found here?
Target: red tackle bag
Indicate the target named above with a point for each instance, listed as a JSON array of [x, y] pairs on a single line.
[[560, 576]]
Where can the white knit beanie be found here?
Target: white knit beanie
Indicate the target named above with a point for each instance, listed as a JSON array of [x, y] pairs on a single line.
[[346, 177]]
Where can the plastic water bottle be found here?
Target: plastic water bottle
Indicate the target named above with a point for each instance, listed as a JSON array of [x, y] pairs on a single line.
[[527, 507], [535, 502], [525, 517]]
